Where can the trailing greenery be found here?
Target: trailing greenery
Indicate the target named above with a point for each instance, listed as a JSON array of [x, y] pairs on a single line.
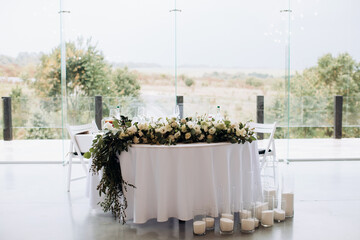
[[121, 133]]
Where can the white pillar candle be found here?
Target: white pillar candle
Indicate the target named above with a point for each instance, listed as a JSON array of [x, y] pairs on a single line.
[[245, 214], [199, 227], [289, 203], [226, 225], [259, 208], [228, 216], [209, 222], [279, 215], [248, 224], [256, 222], [267, 218]]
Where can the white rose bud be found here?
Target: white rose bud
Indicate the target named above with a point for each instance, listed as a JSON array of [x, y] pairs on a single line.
[[177, 134], [174, 124], [183, 121], [205, 128], [212, 130], [183, 128], [187, 136]]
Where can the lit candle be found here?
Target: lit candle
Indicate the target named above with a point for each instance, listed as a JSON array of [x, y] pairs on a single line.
[[199, 227], [289, 204], [267, 218], [279, 215], [209, 222], [226, 224], [228, 216], [248, 224]]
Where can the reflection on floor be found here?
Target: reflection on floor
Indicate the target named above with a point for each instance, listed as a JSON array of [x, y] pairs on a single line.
[[34, 204]]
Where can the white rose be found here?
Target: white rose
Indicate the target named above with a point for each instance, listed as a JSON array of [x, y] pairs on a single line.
[[212, 130], [168, 128], [172, 138], [123, 135], [143, 126], [162, 130], [177, 134], [205, 128], [201, 137], [187, 136], [238, 132], [190, 125], [174, 124], [131, 130], [141, 133], [183, 128], [243, 132], [183, 121], [108, 126], [197, 129], [136, 140]]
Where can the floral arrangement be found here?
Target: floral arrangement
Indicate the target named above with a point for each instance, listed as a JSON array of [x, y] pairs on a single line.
[[122, 133]]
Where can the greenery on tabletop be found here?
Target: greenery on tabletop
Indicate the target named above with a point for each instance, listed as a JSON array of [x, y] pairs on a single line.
[[121, 133]]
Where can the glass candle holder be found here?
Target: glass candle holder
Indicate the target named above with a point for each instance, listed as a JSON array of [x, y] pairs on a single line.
[[267, 216], [227, 223], [247, 217], [210, 222], [279, 210], [199, 223], [287, 189]]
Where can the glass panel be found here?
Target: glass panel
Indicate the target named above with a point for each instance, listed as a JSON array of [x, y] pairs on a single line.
[[325, 51]]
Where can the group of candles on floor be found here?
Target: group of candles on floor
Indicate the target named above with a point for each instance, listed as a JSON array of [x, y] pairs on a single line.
[[251, 215]]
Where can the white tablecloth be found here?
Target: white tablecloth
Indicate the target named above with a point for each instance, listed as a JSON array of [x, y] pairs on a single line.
[[172, 181]]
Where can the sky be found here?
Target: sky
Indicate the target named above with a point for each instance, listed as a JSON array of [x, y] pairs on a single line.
[[227, 33]]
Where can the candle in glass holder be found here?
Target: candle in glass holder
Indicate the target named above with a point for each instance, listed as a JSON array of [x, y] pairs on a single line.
[[199, 227], [270, 195], [256, 222], [248, 225], [289, 204], [226, 224], [267, 218], [279, 215], [209, 222], [228, 216], [245, 214], [259, 208]]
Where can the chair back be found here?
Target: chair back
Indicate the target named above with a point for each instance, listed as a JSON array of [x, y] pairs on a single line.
[[265, 128], [78, 129]]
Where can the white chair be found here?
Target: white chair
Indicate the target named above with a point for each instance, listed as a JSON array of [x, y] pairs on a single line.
[[75, 150], [268, 154]]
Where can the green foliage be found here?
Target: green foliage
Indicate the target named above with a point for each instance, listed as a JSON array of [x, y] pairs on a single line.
[[255, 82], [124, 82], [39, 129], [189, 82], [312, 93], [86, 71]]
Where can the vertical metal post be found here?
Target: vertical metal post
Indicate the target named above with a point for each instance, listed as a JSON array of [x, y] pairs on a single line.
[[260, 112], [180, 103], [8, 135], [98, 111], [338, 106]]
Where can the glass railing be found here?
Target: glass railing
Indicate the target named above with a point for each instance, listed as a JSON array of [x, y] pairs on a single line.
[[310, 117]]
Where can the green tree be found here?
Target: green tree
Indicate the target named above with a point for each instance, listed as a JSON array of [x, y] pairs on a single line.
[[86, 71], [124, 83], [312, 93]]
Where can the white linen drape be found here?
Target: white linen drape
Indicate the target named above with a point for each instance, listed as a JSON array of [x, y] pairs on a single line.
[[172, 181]]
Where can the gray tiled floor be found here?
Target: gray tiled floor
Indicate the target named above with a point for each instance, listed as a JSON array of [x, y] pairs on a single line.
[[35, 205]]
